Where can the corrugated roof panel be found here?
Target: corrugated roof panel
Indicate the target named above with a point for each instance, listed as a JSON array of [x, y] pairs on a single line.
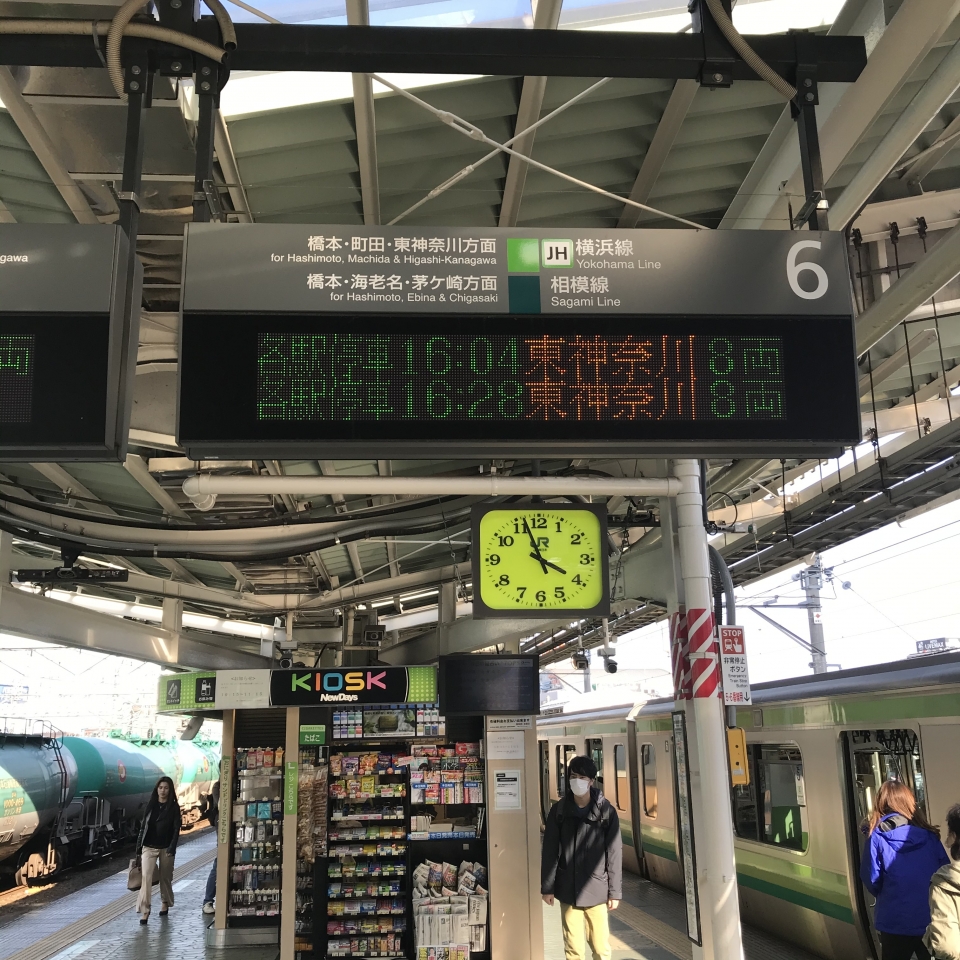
[[25, 189]]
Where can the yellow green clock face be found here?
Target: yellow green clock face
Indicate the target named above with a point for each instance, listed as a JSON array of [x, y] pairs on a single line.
[[540, 558]]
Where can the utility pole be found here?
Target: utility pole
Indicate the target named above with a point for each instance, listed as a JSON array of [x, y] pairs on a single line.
[[811, 579]]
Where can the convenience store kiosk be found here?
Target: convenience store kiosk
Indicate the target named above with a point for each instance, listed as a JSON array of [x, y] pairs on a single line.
[[356, 820]]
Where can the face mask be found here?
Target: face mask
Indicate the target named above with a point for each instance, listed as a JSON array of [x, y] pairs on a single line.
[[580, 787]]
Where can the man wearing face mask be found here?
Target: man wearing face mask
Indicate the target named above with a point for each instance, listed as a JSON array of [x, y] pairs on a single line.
[[581, 862]]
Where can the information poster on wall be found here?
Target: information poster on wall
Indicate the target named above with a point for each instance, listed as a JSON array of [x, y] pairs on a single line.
[[504, 744], [243, 689], [506, 789]]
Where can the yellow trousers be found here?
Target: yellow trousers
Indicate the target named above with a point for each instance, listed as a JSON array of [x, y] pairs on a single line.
[[583, 925]]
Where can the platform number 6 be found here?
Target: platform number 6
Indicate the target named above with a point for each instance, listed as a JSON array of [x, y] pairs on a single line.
[[794, 270]]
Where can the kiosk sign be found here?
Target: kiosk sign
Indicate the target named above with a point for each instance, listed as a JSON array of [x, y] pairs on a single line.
[[733, 664], [301, 688]]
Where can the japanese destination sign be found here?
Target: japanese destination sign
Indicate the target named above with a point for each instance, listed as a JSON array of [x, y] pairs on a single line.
[[650, 340]]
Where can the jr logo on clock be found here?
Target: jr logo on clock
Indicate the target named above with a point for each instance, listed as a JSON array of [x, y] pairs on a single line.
[[533, 559]]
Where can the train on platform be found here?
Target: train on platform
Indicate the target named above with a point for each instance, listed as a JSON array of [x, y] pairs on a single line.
[[67, 800], [818, 747]]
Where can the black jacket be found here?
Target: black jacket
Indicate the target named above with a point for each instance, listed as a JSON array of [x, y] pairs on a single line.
[[581, 862], [148, 816]]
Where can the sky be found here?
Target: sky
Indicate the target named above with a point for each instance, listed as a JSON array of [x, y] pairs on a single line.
[[904, 586]]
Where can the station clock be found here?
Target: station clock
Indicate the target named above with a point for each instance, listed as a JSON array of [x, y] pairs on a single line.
[[535, 559]]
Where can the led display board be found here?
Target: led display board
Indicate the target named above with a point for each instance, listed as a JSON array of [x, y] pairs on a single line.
[[471, 684], [482, 343], [62, 376]]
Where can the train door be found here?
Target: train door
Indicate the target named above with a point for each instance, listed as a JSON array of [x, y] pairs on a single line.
[[565, 753], [870, 758], [544, 778], [595, 753]]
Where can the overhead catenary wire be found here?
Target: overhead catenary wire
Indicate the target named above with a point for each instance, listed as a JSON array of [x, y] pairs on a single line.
[[470, 167], [474, 132]]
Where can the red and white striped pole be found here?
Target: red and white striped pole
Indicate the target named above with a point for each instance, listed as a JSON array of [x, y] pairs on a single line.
[[713, 824]]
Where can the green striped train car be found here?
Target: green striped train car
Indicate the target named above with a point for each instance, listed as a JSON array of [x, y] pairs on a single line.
[[819, 747]]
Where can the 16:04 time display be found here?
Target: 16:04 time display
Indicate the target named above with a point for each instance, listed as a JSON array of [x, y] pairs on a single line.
[[533, 560]]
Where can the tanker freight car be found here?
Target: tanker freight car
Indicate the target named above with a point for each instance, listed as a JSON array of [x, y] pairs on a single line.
[[193, 765], [96, 802], [38, 779]]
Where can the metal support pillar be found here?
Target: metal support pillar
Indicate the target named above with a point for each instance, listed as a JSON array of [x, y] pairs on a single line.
[[715, 866], [139, 88], [804, 111], [206, 200], [811, 579]]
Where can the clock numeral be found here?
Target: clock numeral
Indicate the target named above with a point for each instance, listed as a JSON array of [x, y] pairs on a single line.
[[577, 580], [585, 559], [493, 559], [558, 526], [521, 591], [575, 538], [559, 594], [506, 541], [504, 580], [538, 523], [541, 596]]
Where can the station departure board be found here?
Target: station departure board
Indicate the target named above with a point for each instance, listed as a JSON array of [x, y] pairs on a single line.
[[288, 383], [471, 684], [506, 342], [62, 373]]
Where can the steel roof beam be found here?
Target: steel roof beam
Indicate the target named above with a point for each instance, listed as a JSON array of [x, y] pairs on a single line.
[[547, 17], [656, 156], [917, 285], [229, 168], [502, 52], [911, 122], [365, 121], [33, 132], [927, 160], [844, 115]]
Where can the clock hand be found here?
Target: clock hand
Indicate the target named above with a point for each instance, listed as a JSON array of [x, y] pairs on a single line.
[[548, 563], [533, 543]]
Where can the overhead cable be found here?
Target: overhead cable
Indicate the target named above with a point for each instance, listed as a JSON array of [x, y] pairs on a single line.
[[746, 53], [470, 167], [472, 131]]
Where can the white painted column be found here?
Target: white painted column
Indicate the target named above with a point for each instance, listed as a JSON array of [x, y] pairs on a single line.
[[710, 781]]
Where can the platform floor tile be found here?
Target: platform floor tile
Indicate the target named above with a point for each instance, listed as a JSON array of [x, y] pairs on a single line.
[[62, 930], [650, 925]]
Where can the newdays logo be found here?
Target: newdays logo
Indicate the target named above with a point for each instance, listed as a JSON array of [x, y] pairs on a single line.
[[339, 686]]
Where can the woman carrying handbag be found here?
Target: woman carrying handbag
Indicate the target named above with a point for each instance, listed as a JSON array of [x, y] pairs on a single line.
[[157, 844]]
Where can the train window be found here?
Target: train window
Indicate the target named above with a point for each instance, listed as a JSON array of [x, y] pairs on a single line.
[[565, 754], [620, 765], [648, 760], [772, 809], [880, 755], [595, 753]]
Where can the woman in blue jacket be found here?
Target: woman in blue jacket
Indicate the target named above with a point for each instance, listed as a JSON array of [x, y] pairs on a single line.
[[902, 854]]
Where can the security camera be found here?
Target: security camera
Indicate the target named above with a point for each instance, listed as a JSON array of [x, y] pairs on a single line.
[[610, 665], [286, 663], [581, 661]]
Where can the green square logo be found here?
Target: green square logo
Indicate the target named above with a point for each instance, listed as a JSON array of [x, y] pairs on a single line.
[[523, 255], [558, 253]]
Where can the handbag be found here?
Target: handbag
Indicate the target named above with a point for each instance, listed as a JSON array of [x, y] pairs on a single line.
[[134, 875]]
